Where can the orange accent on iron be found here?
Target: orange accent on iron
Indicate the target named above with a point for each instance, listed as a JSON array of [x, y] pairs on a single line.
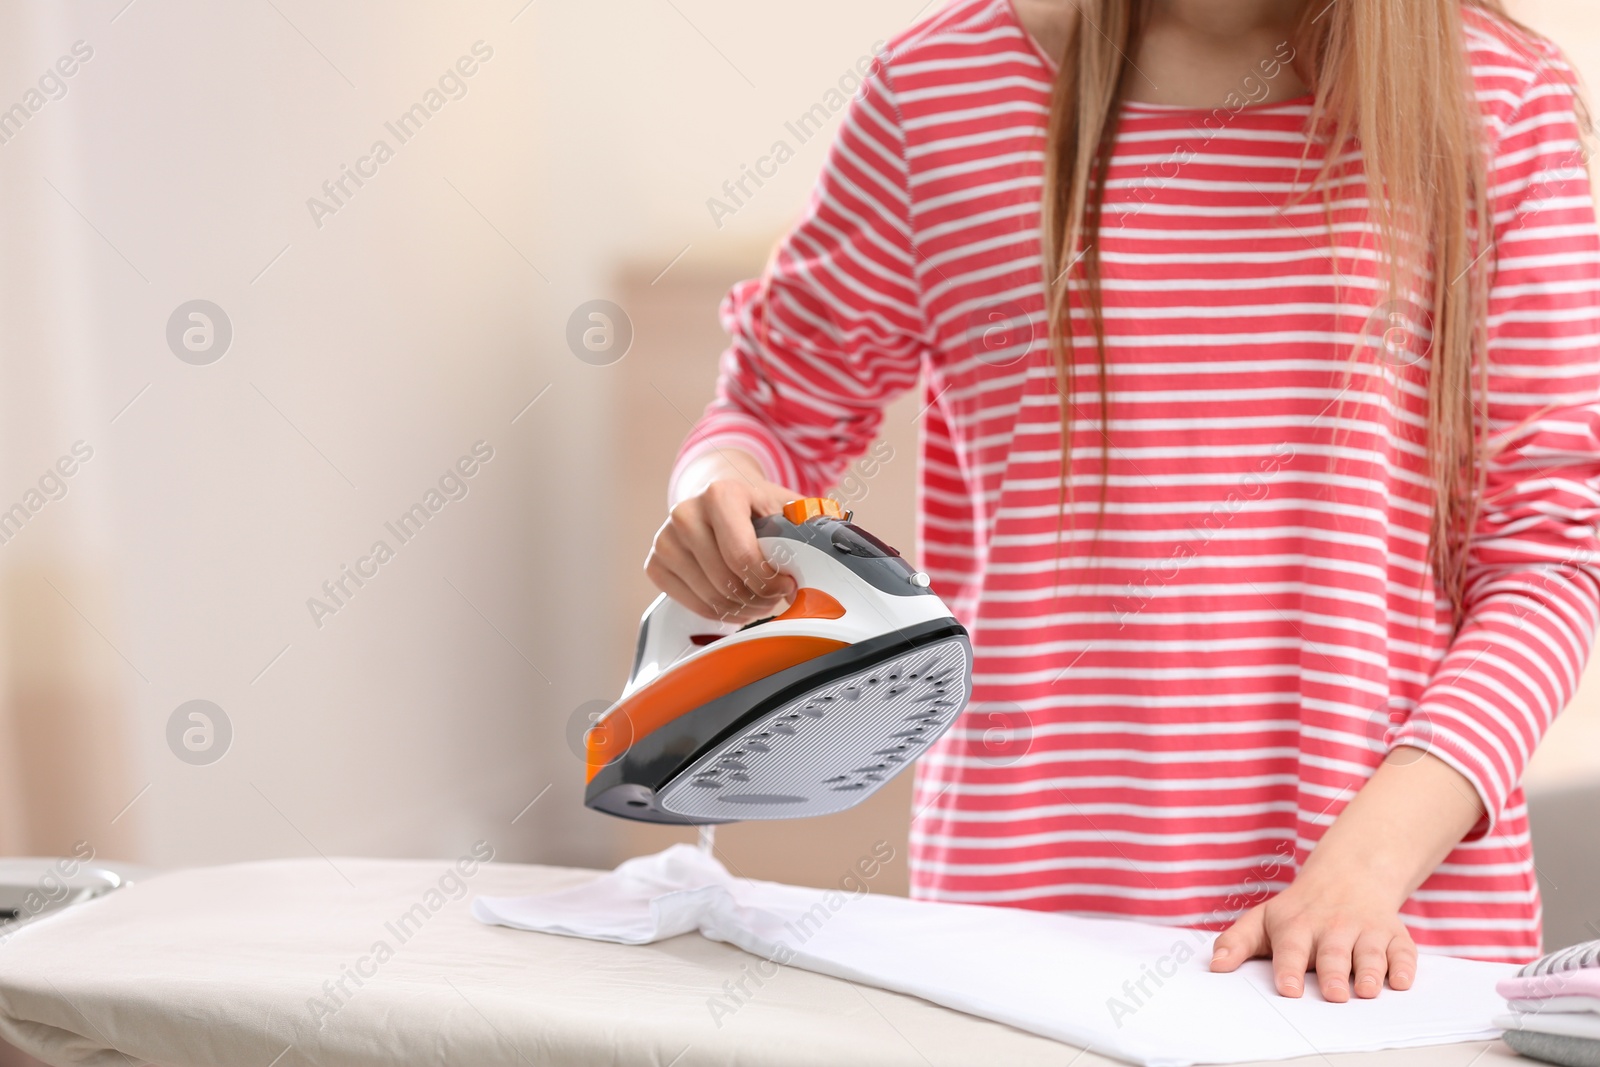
[[809, 507], [811, 604], [714, 673]]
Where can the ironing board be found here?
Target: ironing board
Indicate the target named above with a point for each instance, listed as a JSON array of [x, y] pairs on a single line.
[[234, 965]]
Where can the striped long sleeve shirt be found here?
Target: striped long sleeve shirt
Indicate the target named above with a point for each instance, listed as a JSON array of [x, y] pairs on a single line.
[[1176, 692]]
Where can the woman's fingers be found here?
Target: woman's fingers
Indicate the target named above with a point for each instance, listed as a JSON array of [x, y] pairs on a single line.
[[734, 597], [1291, 957], [675, 588], [672, 551], [1370, 962], [1246, 938], [1335, 949], [706, 556], [1402, 954], [728, 515]]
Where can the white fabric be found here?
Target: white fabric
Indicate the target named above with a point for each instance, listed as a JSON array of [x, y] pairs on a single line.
[[1073, 979], [1572, 1003], [1570, 1024]]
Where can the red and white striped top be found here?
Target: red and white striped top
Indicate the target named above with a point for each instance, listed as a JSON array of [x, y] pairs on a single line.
[[1168, 716]]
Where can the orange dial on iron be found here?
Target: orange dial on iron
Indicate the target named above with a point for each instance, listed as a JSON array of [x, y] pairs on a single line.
[[810, 507]]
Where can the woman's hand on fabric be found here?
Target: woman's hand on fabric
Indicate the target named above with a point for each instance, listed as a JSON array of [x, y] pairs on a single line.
[[1336, 927], [1341, 914], [705, 556]]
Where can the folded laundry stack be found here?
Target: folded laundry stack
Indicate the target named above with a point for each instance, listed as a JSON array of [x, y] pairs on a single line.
[[1555, 1007]]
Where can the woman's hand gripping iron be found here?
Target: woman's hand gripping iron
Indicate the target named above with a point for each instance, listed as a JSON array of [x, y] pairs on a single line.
[[806, 713]]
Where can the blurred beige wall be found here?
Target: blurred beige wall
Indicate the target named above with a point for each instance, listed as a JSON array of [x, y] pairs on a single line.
[[368, 353], [371, 347]]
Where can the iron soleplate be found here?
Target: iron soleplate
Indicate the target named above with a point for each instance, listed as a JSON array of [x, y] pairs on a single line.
[[827, 750]]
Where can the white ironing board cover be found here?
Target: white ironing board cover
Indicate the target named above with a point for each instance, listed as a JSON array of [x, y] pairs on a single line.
[[1136, 991], [214, 966]]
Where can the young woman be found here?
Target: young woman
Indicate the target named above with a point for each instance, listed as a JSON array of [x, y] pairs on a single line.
[[1260, 453]]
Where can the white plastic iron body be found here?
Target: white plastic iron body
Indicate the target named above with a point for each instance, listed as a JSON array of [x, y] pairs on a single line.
[[671, 630]]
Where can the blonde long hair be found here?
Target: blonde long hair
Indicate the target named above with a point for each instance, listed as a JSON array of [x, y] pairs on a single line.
[[1422, 145]]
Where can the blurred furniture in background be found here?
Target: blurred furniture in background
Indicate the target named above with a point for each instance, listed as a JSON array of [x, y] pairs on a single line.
[[66, 772], [1566, 852]]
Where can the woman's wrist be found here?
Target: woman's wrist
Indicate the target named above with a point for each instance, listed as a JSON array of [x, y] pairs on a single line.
[[722, 464], [1348, 867], [1392, 835]]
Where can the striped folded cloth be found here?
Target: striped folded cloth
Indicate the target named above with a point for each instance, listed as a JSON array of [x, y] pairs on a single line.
[[1576, 958], [1555, 1007]]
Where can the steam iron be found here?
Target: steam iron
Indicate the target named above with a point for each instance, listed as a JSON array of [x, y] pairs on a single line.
[[806, 713]]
